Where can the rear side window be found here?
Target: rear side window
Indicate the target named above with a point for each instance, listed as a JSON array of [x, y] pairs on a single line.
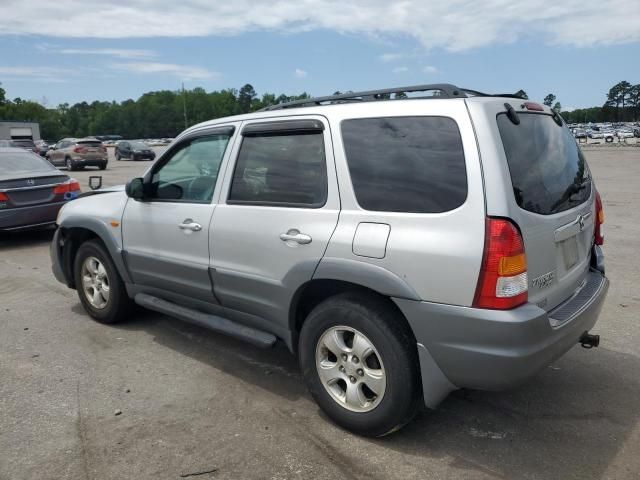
[[548, 171], [281, 169], [406, 164]]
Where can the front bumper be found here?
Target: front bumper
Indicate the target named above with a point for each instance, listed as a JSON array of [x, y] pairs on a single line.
[[497, 349], [28, 217]]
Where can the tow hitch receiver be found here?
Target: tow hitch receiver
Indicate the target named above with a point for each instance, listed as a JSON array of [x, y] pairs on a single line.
[[589, 341]]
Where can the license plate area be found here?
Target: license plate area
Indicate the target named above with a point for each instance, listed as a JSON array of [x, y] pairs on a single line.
[[569, 248]]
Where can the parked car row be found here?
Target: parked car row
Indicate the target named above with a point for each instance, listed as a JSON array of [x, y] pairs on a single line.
[[605, 131]]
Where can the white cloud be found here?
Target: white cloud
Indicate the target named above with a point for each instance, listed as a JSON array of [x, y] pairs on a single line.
[[391, 57], [36, 73], [398, 70], [112, 52], [299, 73], [430, 69], [453, 26], [185, 72]]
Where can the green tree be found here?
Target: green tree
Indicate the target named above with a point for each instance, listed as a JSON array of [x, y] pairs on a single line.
[[549, 99], [245, 97], [557, 107]]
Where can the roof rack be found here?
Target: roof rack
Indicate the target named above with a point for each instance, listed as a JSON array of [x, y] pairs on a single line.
[[445, 90]]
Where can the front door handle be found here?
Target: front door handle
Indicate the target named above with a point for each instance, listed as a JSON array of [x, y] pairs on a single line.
[[189, 224], [295, 236]]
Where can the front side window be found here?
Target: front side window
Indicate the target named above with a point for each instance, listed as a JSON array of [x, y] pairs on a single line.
[[406, 164], [281, 169], [191, 172]]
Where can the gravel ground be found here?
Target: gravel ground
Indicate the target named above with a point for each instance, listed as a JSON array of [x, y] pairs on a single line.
[[158, 399]]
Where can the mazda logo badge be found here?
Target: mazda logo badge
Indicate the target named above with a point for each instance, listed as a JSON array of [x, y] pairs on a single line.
[[31, 181]]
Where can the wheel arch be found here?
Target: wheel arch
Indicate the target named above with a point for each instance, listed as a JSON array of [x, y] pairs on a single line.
[[73, 235]]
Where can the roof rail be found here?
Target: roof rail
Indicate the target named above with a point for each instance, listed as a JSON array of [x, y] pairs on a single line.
[[446, 91]]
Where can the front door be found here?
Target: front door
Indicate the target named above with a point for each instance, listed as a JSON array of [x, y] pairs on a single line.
[[166, 235], [278, 211]]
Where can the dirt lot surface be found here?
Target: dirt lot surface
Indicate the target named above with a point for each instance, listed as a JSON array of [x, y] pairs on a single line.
[[192, 401]]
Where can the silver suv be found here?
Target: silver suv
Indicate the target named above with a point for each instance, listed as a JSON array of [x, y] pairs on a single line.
[[77, 153], [401, 248]]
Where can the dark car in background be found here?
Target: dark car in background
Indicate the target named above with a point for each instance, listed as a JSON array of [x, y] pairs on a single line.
[[42, 147], [24, 143], [134, 150], [77, 153], [32, 191]]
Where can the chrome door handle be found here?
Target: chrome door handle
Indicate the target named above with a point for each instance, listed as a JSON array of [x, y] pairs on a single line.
[[294, 235], [189, 224]]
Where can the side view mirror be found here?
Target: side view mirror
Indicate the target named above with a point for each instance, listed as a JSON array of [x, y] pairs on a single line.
[[135, 188]]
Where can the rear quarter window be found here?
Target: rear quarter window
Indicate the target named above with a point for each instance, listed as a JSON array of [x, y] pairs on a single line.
[[406, 164], [549, 173]]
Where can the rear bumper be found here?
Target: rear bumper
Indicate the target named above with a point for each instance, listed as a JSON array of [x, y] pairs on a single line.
[[493, 349], [27, 217], [94, 162]]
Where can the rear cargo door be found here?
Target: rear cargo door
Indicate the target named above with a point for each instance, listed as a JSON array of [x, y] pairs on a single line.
[[554, 199], [91, 150]]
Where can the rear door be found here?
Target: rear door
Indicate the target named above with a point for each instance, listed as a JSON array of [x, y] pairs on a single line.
[[549, 193], [278, 210]]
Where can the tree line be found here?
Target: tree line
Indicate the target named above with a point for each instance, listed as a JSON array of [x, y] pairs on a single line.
[[158, 114], [166, 113]]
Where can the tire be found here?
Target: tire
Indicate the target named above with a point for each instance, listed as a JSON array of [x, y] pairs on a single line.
[[393, 358], [70, 165], [118, 157], [103, 166], [117, 305]]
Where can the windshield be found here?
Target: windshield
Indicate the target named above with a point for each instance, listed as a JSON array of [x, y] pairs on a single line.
[[549, 173], [17, 162]]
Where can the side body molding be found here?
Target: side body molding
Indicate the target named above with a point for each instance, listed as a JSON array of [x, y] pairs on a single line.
[[366, 274]]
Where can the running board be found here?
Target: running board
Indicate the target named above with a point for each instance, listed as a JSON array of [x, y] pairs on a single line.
[[206, 320]]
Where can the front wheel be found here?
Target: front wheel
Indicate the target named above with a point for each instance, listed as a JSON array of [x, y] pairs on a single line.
[[100, 288], [103, 166], [360, 363]]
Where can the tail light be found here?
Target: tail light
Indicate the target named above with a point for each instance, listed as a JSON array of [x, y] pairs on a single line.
[[598, 235], [502, 283], [4, 197], [68, 187], [80, 150]]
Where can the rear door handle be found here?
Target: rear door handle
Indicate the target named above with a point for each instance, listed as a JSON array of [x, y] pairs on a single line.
[[189, 224], [295, 236]]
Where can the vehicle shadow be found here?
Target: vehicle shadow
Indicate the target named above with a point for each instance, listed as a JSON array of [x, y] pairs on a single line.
[[570, 421], [26, 238]]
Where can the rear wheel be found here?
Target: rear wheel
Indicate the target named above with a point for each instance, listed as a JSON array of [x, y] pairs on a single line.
[[70, 165], [359, 361], [103, 166], [100, 288], [118, 157]]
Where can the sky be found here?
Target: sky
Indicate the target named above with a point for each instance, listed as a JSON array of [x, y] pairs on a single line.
[[67, 51]]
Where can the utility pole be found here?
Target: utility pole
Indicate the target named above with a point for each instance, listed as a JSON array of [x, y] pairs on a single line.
[[184, 106]]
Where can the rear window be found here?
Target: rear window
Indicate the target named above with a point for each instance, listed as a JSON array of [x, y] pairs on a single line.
[[89, 143], [19, 162], [549, 173], [406, 164]]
